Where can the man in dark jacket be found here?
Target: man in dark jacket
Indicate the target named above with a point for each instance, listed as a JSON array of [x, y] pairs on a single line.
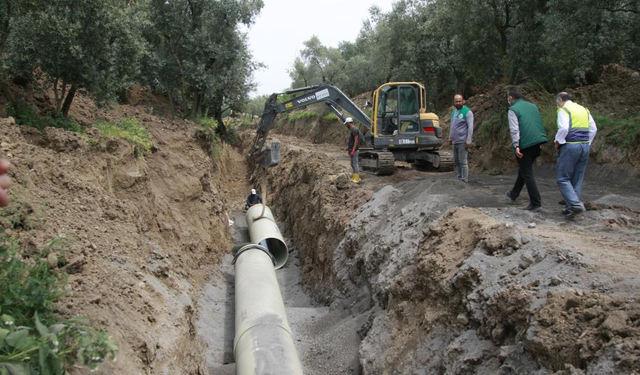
[[527, 134], [253, 199]]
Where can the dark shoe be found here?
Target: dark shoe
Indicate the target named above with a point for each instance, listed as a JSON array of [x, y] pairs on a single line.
[[533, 208], [565, 212], [562, 202], [511, 200], [572, 214]]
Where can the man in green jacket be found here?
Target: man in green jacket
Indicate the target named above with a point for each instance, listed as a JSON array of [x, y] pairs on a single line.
[[527, 134]]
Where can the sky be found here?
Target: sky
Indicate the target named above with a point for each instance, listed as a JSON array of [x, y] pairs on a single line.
[[281, 28]]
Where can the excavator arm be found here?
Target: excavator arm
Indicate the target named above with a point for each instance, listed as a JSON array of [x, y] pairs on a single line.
[[323, 93]]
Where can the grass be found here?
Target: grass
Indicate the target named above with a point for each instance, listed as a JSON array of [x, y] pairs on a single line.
[[208, 137], [27, 115], [494, 129], [302, 115], [128, 129], [330, 117], [624, 132]]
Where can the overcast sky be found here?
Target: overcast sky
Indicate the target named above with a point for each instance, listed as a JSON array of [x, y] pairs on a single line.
[[277, 36]]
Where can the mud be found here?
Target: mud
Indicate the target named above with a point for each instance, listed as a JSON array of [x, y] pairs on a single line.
[[415, 273], [454, 280]]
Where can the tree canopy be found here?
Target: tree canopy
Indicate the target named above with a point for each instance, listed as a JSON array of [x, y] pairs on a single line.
[[463, 45], [191, 50]]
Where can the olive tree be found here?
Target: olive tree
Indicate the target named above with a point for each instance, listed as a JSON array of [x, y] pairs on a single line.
[[77, 44]]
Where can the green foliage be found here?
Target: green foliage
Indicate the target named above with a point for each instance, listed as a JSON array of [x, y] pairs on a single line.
[[495, 128], [255, 106], [460, 46], [33, 340], [128, 129], [206, 122], [76, 44], [29, 289], [297, 115], [330, 117], [623, 132], [27, 115], [198, 55], [209, 140], [549, 120], [19, 215]]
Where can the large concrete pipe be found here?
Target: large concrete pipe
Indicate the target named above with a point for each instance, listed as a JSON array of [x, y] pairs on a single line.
[[263, 344], [263, 230]]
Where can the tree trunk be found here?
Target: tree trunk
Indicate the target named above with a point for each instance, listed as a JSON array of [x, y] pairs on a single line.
[[171, 105], [8, 94], [221, 129], [68, 100]]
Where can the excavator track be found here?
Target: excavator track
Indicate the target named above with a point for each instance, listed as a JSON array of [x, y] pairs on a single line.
[[380, 162], [446, 161], [440, 161]]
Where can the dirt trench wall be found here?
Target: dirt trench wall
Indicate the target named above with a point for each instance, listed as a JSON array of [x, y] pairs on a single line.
[[450, 289], [455, 290], [313, 199], [143, 234]]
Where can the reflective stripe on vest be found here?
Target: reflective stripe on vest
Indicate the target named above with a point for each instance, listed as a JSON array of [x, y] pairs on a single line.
[[578, 123]]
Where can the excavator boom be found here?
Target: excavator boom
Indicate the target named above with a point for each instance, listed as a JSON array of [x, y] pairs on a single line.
[[323, 93]]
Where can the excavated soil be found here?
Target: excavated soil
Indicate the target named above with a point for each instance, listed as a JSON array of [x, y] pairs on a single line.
[[414, 273], [443, 277], [144, 235]]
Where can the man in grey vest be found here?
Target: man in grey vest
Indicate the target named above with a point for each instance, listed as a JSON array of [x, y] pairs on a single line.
[[460, 135]]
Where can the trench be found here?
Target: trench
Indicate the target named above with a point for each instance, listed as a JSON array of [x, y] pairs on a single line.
[[326, 341], [412, 279]]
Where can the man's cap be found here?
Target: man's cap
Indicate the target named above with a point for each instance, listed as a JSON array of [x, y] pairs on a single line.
[[348, 120], [253, 191]]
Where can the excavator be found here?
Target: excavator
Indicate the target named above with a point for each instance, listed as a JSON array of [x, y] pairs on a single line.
[[401, 128]]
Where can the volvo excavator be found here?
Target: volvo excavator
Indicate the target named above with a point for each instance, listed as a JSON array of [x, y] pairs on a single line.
[[401, 128]]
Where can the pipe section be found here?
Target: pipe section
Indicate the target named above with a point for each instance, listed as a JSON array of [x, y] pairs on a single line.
[[263, 230], [263, 344]]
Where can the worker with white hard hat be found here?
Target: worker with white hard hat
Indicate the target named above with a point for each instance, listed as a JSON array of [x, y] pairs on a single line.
[[253, 199], [355, 138]]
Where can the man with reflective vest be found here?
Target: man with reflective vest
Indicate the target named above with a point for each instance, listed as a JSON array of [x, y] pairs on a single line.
[[460, 136], [576, 130]]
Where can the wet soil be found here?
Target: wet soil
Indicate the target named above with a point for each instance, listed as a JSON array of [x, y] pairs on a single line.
[[406, 274]]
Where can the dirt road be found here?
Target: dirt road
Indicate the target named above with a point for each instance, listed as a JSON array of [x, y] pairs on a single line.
[[454, 279]]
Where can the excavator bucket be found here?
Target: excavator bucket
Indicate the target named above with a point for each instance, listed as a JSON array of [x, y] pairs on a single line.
[[270, 155]]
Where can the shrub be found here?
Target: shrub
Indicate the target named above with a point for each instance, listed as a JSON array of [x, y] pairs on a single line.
[[128, 129], [33, 339], [208, 138], [26, 115]]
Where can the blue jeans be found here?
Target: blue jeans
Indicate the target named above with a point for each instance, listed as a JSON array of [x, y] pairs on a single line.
[[460, 153], [354, 162], [571, 164]]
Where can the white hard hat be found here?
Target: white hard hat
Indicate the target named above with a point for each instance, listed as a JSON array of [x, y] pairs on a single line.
[[253, 191], [347, 120]]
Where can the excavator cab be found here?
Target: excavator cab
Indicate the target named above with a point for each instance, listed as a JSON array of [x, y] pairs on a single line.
[[398, 110]]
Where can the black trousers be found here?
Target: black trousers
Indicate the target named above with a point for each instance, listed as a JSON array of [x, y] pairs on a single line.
[[525, 176]]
